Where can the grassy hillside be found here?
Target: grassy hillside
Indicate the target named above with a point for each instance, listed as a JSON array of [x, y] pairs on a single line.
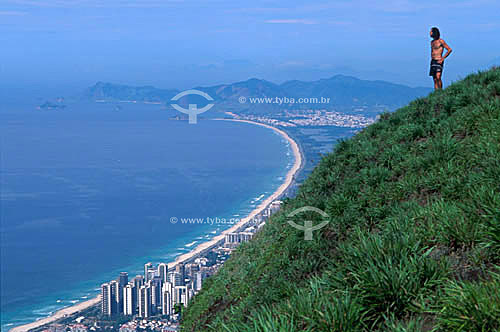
[[413, 242]]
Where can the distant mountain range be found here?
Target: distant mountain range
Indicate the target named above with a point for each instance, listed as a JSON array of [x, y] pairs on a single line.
[[115, 92], [343, 91]]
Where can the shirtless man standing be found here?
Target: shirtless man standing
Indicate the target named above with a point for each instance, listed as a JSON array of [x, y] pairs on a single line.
[[437, 47]]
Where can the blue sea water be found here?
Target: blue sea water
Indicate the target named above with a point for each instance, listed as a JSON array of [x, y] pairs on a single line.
[[89, 191]]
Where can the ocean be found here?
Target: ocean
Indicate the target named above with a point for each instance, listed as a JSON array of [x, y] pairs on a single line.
[[89, 191]]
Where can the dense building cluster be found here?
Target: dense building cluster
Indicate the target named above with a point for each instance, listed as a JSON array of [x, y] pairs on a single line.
[[311, 118], [152, 301], [161, 288], [154, 293]]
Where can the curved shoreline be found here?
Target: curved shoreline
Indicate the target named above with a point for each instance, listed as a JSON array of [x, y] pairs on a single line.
[[281, 189], [64, 312]]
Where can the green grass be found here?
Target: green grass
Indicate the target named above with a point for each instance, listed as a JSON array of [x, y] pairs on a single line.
[[470, 306], [413, 238]]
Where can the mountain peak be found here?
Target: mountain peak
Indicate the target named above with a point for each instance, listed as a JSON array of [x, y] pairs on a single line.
[[342, 90], [343, 77]]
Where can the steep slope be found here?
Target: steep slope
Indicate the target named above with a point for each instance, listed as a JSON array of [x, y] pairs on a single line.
[[413, 240]]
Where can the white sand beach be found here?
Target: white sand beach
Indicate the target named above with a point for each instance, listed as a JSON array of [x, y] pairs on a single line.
[[281, 189], [200, 248], [58, 315]]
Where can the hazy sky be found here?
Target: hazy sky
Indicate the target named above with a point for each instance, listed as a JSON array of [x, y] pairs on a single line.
[[183, 43]]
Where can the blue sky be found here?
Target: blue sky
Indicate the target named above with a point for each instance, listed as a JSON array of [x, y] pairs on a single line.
[[183, 43]]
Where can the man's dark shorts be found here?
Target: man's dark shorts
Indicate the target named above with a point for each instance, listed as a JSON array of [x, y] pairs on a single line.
[[436, 67]]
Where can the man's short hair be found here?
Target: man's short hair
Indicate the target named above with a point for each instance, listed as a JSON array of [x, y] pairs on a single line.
[[435, 33]]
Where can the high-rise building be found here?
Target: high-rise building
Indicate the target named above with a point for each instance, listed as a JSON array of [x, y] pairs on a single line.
[[122, 281], [245, 236], [167, 307], [168, 286], [129, 304], [163, 271], [114, 288], [144, 301], [147, 268], [106, 299], [138, 281], [156, 296], [190, 294], [179, 268], [180, 295], [198, 280], [176, 295], [193, 268], [231, 238], [175, 278]]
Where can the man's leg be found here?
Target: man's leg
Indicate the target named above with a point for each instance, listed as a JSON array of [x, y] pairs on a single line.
[[436, 84], [438, 81]]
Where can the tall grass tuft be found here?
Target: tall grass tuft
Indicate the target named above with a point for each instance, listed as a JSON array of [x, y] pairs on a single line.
[[471, 307]]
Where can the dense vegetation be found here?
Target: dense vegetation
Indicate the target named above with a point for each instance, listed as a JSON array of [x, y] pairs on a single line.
[[413, 242]]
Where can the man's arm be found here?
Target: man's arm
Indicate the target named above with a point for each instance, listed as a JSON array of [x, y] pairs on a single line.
[[448, 50]]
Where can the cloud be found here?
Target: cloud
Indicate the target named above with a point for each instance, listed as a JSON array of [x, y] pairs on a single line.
[[258, 10], [291, 21], [11, 13], [400, 6], [340, 23], [292, 64], [487, 26], [93, 3], [43, 3]]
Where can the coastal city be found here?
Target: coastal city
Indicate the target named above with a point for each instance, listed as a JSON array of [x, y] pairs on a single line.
[[153, 301], [309, 118]]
